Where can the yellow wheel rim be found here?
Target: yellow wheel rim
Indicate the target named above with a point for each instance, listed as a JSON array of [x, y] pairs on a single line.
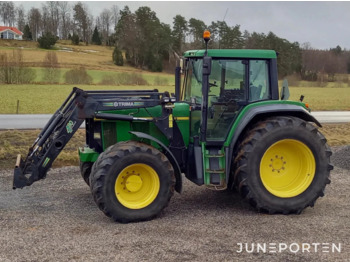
[[287, 168], [137, 186]]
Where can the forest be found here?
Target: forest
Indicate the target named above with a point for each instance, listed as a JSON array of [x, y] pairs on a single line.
[[141, 40]]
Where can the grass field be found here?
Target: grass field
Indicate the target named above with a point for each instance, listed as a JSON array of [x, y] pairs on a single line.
[[15, 142], [44, 99], [323, 98]]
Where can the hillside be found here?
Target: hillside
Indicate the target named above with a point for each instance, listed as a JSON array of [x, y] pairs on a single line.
[[91, 57]]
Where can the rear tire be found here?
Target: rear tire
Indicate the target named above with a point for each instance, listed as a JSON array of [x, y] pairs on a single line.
[[282, 165], [132, 182]]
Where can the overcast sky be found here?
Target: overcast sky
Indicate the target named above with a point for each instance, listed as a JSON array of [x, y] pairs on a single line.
[[323, 24]]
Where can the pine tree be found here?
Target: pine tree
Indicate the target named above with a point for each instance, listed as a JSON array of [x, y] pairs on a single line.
[[27, 35], [96, 37], [118, 57]]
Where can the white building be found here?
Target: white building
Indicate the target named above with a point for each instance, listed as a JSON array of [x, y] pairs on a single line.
[[7, 32]]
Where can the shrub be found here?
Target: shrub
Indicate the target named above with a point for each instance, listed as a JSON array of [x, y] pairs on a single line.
[[78, 76], [51, 68], [75, 39], [118, 57], [157, 65], [13, 71], [47, 41]]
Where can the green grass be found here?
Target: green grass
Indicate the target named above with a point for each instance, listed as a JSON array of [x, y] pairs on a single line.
[[323, 98], [45, 99]]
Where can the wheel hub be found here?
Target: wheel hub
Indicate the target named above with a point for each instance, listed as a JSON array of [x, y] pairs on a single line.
[[133, 183], [277, 164]]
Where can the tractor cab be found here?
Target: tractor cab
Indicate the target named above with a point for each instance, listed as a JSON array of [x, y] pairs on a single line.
[[237, 78]]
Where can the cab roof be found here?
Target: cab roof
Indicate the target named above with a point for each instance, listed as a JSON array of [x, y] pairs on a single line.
[[233, 53]]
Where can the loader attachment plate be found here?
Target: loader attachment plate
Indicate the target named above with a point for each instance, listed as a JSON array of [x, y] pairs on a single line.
[[19, 179]]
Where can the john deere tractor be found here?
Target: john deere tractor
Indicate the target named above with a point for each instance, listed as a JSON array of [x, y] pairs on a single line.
[[226, 127]]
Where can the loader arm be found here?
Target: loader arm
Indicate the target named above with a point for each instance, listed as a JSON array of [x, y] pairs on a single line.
[[78, 106]]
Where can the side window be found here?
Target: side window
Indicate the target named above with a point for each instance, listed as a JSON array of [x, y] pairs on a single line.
[[259, 84]]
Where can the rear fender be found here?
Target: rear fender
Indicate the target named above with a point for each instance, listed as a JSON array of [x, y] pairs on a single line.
[[255, 114]]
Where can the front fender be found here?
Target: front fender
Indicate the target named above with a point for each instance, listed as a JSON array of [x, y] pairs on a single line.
[[169, 154]]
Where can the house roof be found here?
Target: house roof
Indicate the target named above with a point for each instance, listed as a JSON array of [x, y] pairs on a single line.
[[14, 29]]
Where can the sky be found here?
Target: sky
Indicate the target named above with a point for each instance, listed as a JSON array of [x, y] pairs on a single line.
[[323, 24]]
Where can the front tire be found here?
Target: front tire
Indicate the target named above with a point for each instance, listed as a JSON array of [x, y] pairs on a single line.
[[283, 165], [85, 171], [132, 182]]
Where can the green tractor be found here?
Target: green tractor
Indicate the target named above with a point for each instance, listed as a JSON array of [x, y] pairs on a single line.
[[225, 127]]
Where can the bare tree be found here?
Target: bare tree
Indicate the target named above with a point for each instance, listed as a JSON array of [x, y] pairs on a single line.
[[7, 13], [34, 19], [50, 17], [106, 19], [20, 18], [51, 68], [115, 16], [54, 16], [45, 18], [64, 13]]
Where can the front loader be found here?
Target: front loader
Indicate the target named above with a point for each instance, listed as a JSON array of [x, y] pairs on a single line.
[[224, 128]]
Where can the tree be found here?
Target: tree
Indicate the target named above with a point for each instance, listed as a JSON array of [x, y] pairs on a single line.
[[7, 13], [96, 37], [289, 58], [179, 33], [126, 35], [75, 39], [118, 57], [81, 20], [224, 36], [50, 17], [20, 14], [34, 19], [115, 15], [47, 41], [106, 19], [63, 9], [27, 34], [196, 28]]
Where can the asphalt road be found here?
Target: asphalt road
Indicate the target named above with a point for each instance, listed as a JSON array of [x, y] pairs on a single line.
[[38, 121]]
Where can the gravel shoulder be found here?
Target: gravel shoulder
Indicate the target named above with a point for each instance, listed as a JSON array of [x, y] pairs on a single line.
[[56, 220]]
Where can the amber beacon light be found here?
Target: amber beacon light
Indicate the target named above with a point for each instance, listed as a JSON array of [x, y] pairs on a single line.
[[206, 35]]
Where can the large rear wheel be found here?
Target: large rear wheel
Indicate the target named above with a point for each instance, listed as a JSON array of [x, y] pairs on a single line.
[[132, 181], [283, 165]]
